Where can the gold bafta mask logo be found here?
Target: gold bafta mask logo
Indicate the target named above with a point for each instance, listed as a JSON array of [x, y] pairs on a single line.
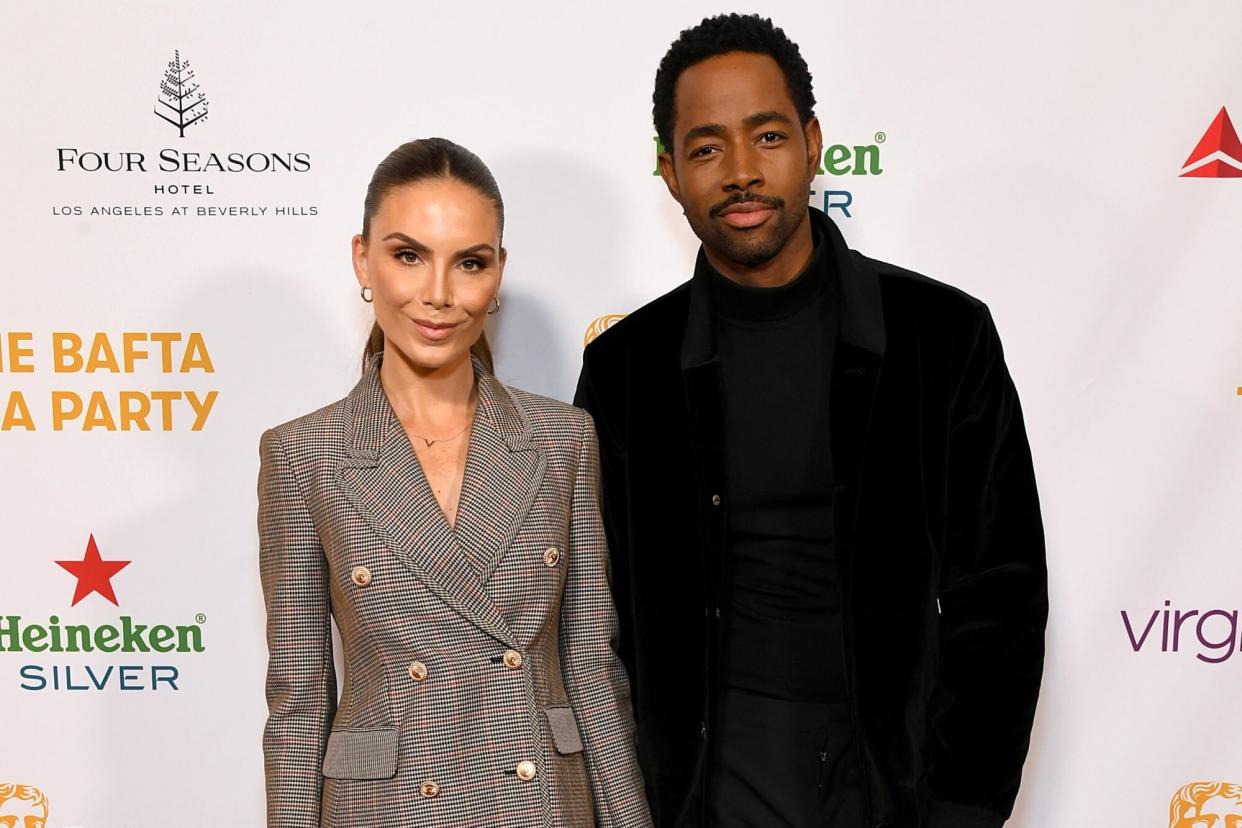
[[1207, 805], [600, 325], [22, 806]]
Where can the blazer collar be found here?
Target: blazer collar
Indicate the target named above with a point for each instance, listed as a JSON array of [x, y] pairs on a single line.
[[504, 470], [374, 419], [862, 313]]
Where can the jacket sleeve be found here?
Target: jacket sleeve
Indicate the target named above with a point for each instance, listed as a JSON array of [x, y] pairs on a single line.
[[596, 681], [301, 677], [993, 599], [615, 515]]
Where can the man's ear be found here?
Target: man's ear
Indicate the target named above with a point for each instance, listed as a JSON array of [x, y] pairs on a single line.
[[814, 144], [669, 173]]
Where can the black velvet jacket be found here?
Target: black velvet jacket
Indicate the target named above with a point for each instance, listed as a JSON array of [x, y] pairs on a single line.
[[938, 532]]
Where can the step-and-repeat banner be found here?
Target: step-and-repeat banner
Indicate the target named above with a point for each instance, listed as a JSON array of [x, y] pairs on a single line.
[[181, 182]]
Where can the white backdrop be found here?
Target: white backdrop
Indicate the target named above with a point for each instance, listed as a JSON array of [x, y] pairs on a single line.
[[1030, 155]]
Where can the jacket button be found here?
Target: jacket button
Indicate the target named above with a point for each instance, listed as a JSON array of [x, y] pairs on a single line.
[[703, 729], [429, 789], [526, 770], [418, 671], [513, 659], [360, 576], [715, 500], [551, 556]]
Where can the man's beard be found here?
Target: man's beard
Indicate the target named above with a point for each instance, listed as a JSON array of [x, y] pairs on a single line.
[[747, 248]]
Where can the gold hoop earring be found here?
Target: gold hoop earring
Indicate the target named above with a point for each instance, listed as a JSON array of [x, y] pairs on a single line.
[[495, 299], [367, 294]]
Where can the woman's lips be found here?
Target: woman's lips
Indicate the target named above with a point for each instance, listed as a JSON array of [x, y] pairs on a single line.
[[748, 214], [435, 331]]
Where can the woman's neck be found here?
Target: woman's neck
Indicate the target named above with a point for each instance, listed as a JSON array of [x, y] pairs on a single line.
[[430, 399]]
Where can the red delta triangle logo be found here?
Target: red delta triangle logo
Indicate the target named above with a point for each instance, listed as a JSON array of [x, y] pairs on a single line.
[[1218, 153]]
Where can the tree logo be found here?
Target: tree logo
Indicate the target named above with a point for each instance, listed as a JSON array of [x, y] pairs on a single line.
[[180, 102]]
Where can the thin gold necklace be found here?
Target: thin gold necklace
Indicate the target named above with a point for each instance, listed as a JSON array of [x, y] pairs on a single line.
[[474, 405], [431, 443]]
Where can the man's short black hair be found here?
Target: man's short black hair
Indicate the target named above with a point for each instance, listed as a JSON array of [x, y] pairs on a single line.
[[717, 36]]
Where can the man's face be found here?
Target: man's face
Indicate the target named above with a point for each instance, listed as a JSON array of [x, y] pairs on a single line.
[[22, 813], [741, 163]]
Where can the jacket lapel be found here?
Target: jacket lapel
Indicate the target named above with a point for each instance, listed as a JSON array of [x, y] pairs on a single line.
[[504, 470], [856, 366], [383, 479]]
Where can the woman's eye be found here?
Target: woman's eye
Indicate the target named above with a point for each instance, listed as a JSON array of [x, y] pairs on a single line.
[[473, 264], [407, 256]]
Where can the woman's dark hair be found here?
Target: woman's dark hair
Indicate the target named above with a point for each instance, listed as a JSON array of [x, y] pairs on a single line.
[[428, 159]]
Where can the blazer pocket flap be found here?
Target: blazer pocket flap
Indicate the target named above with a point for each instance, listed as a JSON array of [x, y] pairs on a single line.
[[564, 729], [361, 754]]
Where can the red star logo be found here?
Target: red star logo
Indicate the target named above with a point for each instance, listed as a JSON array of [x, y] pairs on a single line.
[[93, 573]]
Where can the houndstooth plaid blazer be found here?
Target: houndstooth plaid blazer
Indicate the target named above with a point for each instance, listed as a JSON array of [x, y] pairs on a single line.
[[481, 684]]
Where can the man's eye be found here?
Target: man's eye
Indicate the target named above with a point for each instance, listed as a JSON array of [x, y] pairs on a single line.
[[770, 136], [701, 151]]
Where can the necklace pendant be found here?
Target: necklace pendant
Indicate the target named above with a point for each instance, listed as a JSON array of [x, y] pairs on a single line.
[[429, 443]]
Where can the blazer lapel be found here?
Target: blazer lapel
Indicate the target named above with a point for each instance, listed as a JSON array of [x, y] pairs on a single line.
[[504, 471], [382, 477]]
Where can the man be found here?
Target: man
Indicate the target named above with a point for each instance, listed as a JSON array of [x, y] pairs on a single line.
[[828, 558]]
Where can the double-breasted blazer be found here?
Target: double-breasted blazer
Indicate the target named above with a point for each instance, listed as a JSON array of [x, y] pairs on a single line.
[[481, 683]]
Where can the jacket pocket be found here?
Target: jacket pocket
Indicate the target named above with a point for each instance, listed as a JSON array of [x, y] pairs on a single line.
[[564, 729], [361, 754]]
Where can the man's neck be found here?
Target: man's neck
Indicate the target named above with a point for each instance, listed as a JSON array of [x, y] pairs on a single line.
[[781, 269]]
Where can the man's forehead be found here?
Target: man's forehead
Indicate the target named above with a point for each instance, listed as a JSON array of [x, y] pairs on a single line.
[[728, 88]]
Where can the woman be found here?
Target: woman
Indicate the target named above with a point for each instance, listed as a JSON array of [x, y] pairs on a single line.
[[450, 525]]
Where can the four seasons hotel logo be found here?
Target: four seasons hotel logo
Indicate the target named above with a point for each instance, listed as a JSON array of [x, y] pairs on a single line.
[[184, 178]]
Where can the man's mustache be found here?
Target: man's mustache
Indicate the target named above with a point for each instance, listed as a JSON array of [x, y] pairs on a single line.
[[744, 197]]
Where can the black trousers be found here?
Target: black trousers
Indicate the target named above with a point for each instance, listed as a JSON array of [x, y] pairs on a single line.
[[782, 764]]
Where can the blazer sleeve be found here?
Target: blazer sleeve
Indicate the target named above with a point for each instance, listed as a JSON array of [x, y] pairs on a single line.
[[596, 681], [993, 599], [301, 677], [612, 464]]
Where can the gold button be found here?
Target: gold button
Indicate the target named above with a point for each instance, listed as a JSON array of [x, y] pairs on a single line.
[[526, 770], [513, 659], [418, 671], [429, 789], [360, 576], [715, 500], [551, 556]]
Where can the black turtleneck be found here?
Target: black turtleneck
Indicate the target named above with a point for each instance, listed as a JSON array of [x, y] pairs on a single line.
[[781, 612]]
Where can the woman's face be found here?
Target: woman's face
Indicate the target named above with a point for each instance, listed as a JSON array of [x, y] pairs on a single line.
[[433, 262]]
